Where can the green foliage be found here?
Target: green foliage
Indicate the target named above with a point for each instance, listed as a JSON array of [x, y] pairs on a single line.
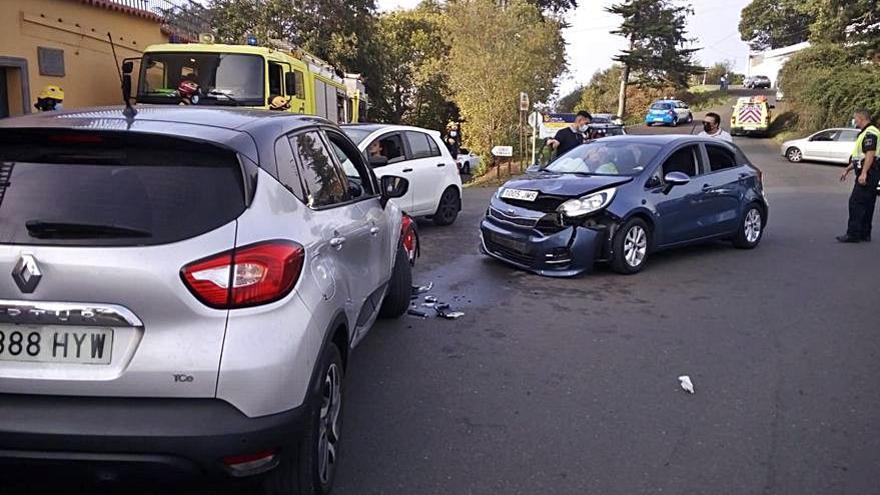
[[567, 103], [658, 55], [411, 50], [766, 24], [852, 22], [823, 86], [494, 55]]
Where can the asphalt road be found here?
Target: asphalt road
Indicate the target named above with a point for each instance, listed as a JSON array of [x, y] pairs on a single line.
[[570, 386]]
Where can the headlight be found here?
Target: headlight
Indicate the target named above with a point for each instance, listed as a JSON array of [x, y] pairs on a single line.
[[498, 192], [588, 204]]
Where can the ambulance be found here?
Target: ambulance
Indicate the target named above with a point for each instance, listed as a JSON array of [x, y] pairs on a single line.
[[278, 77], [751, 115]]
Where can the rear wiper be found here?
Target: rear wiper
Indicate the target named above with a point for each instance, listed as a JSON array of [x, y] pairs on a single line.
[[70, 230]]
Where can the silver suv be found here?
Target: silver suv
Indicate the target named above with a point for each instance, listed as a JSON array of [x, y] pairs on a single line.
[[180, 291]]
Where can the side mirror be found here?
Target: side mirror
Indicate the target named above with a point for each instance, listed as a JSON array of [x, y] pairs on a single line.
[[533, 168], [393, 187], [127, 67], [377, 161], [676, 179]]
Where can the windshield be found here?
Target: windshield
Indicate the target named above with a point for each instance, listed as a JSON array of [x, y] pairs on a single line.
[[356, 134], [606, 158], [661, 106], [202, 78]]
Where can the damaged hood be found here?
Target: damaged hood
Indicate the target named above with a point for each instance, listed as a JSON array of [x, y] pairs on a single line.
[[566, 185]]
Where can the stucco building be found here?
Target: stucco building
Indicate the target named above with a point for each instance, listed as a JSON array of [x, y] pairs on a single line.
[[769, 63], [64, 43]]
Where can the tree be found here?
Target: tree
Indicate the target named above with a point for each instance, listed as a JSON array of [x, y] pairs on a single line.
[[852, 22], [494, 55], [567, 103], [410, 49], [658, 54], [767, 24]]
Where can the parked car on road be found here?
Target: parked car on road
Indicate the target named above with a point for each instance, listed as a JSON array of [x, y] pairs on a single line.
[[467, 161], [829, 145], [420, 156], [181, 291], [755, 82], [620, 199], [668, 112]]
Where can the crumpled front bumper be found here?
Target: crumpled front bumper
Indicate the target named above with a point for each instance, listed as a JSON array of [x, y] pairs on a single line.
[[569, 252]]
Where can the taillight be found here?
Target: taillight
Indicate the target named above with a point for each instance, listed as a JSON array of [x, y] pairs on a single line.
[[247, 276]]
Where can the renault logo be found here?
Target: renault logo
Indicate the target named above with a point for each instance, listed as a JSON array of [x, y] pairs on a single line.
[[27, 274]]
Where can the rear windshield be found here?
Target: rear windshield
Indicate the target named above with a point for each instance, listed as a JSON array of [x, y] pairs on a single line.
[[661, 106], [107, 189]]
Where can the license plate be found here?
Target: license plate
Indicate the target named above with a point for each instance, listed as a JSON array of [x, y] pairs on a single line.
[[658, 119], [750, 128], [517, 246], [519, 194], [55, 345]]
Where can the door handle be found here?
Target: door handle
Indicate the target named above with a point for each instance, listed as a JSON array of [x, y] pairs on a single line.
[[374, 231], [407, 170], [441, 164], [337, 242]]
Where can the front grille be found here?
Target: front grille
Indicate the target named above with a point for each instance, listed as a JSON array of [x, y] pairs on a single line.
[[507, 253], [543, 203], [511, 219]]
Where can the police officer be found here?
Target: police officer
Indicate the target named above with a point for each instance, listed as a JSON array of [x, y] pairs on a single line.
[[866, 165]]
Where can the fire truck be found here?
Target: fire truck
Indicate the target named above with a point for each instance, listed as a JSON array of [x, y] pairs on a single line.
[[208, 73]]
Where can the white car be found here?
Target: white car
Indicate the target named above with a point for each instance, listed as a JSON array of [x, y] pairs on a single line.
[[467, 160], [420, 156], [830, 145]]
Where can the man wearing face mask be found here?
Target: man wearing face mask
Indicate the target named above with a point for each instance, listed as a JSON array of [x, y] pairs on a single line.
[[453, 139], [572, 136], [866, 164], [712, 128]]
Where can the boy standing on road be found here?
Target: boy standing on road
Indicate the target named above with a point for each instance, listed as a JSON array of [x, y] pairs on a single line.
[[572, 136], [866, 164], [712, 128]]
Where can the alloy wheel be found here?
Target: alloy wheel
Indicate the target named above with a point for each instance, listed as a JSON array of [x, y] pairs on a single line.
[[794, 155], [328, 434], [752, 225], [635, 246], [448, 206]]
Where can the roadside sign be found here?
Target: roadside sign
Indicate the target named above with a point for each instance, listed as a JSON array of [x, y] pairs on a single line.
[[523, 102], [535, 119], [502, 151]]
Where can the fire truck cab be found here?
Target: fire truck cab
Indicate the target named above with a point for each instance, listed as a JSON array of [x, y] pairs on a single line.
[[208, 73]]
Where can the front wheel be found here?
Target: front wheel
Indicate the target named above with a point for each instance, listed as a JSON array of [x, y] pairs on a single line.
[[794, 155], [630, 246], [447, 210], [751, 228], [311, 469]]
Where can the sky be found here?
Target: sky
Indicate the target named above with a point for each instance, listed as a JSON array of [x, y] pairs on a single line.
[[714, 25]]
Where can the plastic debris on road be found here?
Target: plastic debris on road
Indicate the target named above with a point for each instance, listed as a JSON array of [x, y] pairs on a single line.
[[686, 383], [430, 299], [449, 315], [442, 309], [421, 289], [415, 312]]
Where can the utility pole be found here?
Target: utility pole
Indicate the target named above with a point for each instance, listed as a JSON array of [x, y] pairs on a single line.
[[624, 80]]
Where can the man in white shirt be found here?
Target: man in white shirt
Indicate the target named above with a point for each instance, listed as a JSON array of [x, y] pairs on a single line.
[[712, 128]]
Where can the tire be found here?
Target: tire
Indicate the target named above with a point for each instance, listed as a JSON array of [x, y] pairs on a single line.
[[751, 228], [690, 118], [305, 473], [397, 299], [447, 210], [630, 247], [794, 155]]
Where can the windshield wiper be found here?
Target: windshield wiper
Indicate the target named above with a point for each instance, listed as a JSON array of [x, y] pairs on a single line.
[[71, 230]]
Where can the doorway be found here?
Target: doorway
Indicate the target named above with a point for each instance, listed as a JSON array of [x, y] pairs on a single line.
[[15, 88]]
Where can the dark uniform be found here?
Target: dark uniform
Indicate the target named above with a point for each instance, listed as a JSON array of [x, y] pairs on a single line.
[[569, 139], [863, 199]]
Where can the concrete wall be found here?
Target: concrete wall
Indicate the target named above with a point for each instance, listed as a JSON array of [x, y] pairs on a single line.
[[79, 28], [770, 62]]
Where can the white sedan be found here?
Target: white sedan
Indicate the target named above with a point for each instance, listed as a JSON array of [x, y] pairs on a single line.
[[420, 156], [467, 161], [830, 145]]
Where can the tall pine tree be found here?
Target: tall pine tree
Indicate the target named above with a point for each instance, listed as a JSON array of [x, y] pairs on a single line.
[[658, 53]]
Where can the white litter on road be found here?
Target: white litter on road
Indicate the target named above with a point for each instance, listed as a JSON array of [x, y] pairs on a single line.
[[686, 383]]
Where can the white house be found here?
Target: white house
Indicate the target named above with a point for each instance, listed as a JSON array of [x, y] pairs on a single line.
[[769, 63]]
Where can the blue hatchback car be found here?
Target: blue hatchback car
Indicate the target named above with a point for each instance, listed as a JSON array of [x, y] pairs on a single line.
[[668, 112], [621, 198]]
